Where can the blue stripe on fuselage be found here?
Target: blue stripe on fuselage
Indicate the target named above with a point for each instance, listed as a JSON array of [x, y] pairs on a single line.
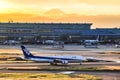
[[42, 57]]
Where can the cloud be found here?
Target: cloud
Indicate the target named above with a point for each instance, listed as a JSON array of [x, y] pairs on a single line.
[[54, 13], [86, 7], [102, 13], [113, 2], [97, 20], [96, 2]]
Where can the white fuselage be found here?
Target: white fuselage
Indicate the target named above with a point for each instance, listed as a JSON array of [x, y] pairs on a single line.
[[60, 58]]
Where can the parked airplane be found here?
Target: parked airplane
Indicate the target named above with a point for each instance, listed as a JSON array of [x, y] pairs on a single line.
[[53, 60], [48, 42], [91, 42]]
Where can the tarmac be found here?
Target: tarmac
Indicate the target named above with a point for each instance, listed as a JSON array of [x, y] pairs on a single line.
[[73, 49]]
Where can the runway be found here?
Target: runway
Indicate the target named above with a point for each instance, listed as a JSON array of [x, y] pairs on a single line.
[[43, 50], [106, 75], [90, 64]]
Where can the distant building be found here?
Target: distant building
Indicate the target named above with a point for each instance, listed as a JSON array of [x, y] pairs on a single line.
[[67, 32], [41, 31]]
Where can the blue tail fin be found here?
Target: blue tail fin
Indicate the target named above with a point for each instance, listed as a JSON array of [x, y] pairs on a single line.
[[26, 52]]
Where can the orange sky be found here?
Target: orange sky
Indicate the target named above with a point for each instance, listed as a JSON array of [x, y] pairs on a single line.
[[102, 13]]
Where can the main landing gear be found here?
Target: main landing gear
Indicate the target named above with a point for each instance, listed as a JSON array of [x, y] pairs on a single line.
[[53, 63]]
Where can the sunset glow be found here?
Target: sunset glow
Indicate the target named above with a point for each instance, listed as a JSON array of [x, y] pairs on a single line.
[[4, 6], [62, 11]]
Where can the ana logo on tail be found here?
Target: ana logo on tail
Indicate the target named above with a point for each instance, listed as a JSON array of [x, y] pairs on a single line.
[[26, 51]]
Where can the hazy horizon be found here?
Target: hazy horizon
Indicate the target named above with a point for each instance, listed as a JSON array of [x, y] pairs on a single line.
[[103, 14]]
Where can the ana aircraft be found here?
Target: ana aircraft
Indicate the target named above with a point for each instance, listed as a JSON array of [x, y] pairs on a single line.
[[53, 60], [92, 42]]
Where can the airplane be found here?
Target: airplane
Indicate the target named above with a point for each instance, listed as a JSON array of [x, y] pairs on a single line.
[[92, 42], [53, 60]]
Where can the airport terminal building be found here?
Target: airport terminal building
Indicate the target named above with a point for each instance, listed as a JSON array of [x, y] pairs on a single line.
[[67, 32]]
